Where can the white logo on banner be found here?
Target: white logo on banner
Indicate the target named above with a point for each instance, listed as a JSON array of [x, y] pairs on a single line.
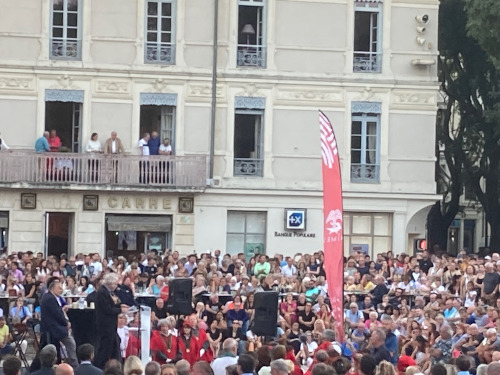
[[328, 143], [333, 225]]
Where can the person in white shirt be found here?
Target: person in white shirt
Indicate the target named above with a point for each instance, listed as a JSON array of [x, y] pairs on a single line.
[[228, 357], [93, 145], [3, 145], [97, 270], [166, 147], [122, 331], [289, 269], [142, 145], [143, 148]]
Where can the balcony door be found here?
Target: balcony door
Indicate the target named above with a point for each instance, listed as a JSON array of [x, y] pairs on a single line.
[[65, 118], [58, 233], [158, 118]]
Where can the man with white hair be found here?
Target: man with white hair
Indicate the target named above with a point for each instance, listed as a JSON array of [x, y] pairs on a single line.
[[227, 356], [489, 287], [107, 309], [279, 367], [442, 349], [492, 345]]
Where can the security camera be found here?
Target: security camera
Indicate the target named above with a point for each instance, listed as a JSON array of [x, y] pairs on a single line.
[[420, 41], [422, 18], [420, 29]]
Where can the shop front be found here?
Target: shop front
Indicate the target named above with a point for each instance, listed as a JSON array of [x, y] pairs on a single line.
[[131, 234]]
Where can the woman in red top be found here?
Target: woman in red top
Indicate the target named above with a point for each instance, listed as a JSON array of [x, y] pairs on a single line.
[[188, 344], [289, 310], [163, 343]]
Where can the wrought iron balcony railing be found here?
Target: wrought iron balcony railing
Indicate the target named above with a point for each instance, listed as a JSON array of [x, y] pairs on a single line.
[[248, 167], [365, 173], [251, 55], [367, 62]]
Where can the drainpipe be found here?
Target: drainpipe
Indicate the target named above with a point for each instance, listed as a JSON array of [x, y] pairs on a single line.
[[214, 93]]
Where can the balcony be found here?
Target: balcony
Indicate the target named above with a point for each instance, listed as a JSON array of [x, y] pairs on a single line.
[[116, 172], [65, 48], [159, 53], [251, 55], [367, 62], [248, 167], [365, 173]]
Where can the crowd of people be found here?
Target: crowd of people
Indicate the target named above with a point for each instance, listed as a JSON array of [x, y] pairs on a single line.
[[429, 313]]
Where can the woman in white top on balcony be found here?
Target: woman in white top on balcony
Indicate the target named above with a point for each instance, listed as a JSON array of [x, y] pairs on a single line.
[[93, 145]]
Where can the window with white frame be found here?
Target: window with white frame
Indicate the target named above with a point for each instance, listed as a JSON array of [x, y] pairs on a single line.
[[365, 133], [66, 29], [246, 232], [367, 36], [251, 49], [160, 32], [249, 136], [370, 231]]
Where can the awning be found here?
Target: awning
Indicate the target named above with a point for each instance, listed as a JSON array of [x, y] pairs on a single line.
[[4, 220], [72, 96], [139, 223]]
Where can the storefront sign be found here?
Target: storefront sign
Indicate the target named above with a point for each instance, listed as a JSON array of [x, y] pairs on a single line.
[[139, 203], [294, 234]]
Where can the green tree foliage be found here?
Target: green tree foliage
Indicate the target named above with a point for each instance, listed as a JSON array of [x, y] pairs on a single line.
[[471, 82], [484, 25]]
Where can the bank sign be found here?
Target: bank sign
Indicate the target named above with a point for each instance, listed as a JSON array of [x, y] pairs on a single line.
[[295, 219]]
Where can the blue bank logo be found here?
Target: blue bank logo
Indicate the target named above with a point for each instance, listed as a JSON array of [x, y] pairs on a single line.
[[296, 220]]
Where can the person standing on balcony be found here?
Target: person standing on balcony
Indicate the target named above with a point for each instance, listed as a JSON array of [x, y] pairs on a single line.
[[3, 145], [113, 145], [166, 150], [143, 148], [42, 143], [154, 148], [154, 144], [166, 147], [54, 141], [93, 147]]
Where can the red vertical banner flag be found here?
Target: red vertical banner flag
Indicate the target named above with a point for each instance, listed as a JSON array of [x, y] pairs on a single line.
[[333, 238]]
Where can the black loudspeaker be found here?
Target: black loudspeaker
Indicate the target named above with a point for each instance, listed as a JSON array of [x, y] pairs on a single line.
[[180, 296], [266, 314]]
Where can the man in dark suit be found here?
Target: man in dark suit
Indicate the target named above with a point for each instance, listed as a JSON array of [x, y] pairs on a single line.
[[54, 326], [379, 291], [107, 308], [86, 356]]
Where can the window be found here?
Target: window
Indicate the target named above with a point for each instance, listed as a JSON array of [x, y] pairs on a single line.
[[248, 142], [158, 114], [371, 231], [246, 233], [251, 33], [160, 32], [365, 132], [63, 118], [367, 37], [158, 118], [66, 29]]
